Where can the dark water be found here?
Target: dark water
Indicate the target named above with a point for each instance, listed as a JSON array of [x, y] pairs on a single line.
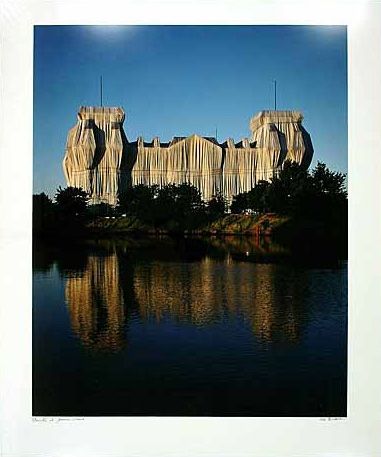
[[188, 327]]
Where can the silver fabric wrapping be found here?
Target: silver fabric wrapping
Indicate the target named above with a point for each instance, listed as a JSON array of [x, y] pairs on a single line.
[[100, 159]]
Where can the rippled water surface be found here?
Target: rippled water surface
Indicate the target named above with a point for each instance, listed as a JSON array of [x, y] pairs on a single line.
[[187, 327]]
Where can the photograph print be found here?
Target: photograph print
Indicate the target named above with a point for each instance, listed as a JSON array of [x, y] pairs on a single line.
[[190, 222]]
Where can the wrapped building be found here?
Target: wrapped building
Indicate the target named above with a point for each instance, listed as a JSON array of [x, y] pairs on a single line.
[[100, 159]]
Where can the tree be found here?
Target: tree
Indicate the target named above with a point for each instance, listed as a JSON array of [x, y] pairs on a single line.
[[41, 202], [71, 202], [165, 204], [43, 211], [286, 189], [294, 191], [216, 206], [329, 195], [239, 203], [101, 210], [188, 199], [138, 201], [329, 182], [179, 205], [257, 197], [176, 206]]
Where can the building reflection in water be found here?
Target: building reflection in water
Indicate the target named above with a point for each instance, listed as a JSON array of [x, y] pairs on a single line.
[[208, 291], [186, 291], [95, 303], [269, 297], [278, 296]]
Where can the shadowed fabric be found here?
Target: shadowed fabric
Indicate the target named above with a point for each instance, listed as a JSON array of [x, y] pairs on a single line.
[[100, 159]]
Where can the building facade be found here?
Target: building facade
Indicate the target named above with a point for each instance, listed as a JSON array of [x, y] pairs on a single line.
[[100, 159]]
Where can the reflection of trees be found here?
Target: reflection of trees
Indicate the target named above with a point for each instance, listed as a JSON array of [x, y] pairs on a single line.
[[95, 303], [249, 245], [70, 258], [43, 259]]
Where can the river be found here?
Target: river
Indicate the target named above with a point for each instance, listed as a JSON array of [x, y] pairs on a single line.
[[188, 327]]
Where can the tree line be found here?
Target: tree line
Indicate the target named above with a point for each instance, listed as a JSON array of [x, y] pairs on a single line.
[[297, 192], [316, 195]]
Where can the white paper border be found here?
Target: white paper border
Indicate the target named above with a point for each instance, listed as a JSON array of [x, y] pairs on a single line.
[[360, 434]]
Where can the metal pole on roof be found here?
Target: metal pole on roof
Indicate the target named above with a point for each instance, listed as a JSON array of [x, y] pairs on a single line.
[[101, 91], [275, 94]]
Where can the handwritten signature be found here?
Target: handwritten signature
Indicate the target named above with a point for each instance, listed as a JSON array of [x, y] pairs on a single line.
[[331, 419], [55, 420]]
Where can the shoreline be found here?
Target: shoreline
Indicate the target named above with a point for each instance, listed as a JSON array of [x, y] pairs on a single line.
[[305, 236]]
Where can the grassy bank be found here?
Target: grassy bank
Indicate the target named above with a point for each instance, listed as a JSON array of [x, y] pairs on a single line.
[[232, 224], [301, 234]]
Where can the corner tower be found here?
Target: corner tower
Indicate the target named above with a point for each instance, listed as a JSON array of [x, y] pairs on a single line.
[[282, 137], [96, 151]]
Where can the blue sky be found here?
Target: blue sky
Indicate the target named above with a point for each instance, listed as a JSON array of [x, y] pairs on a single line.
[[179, 80]]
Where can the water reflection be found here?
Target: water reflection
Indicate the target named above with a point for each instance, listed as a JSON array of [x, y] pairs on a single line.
[[207, 292], [118, 280], [95, 303], [69, 258], [253, 248], [280, 296], [166, 327]]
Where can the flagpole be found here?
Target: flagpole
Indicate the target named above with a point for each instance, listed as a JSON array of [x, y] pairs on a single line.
[[101, 87]]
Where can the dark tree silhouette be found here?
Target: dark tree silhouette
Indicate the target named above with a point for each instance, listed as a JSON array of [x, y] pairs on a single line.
[[240, 203], [174, 206], [319, 195], [315, 199], [286, 189], [330, 182], [257, 197], [138, 201], [100, 210], [43, 211], [216, 206], [71, 201], [179, 206]]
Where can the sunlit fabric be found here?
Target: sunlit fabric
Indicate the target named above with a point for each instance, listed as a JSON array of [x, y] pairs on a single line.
[[101, 160]]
